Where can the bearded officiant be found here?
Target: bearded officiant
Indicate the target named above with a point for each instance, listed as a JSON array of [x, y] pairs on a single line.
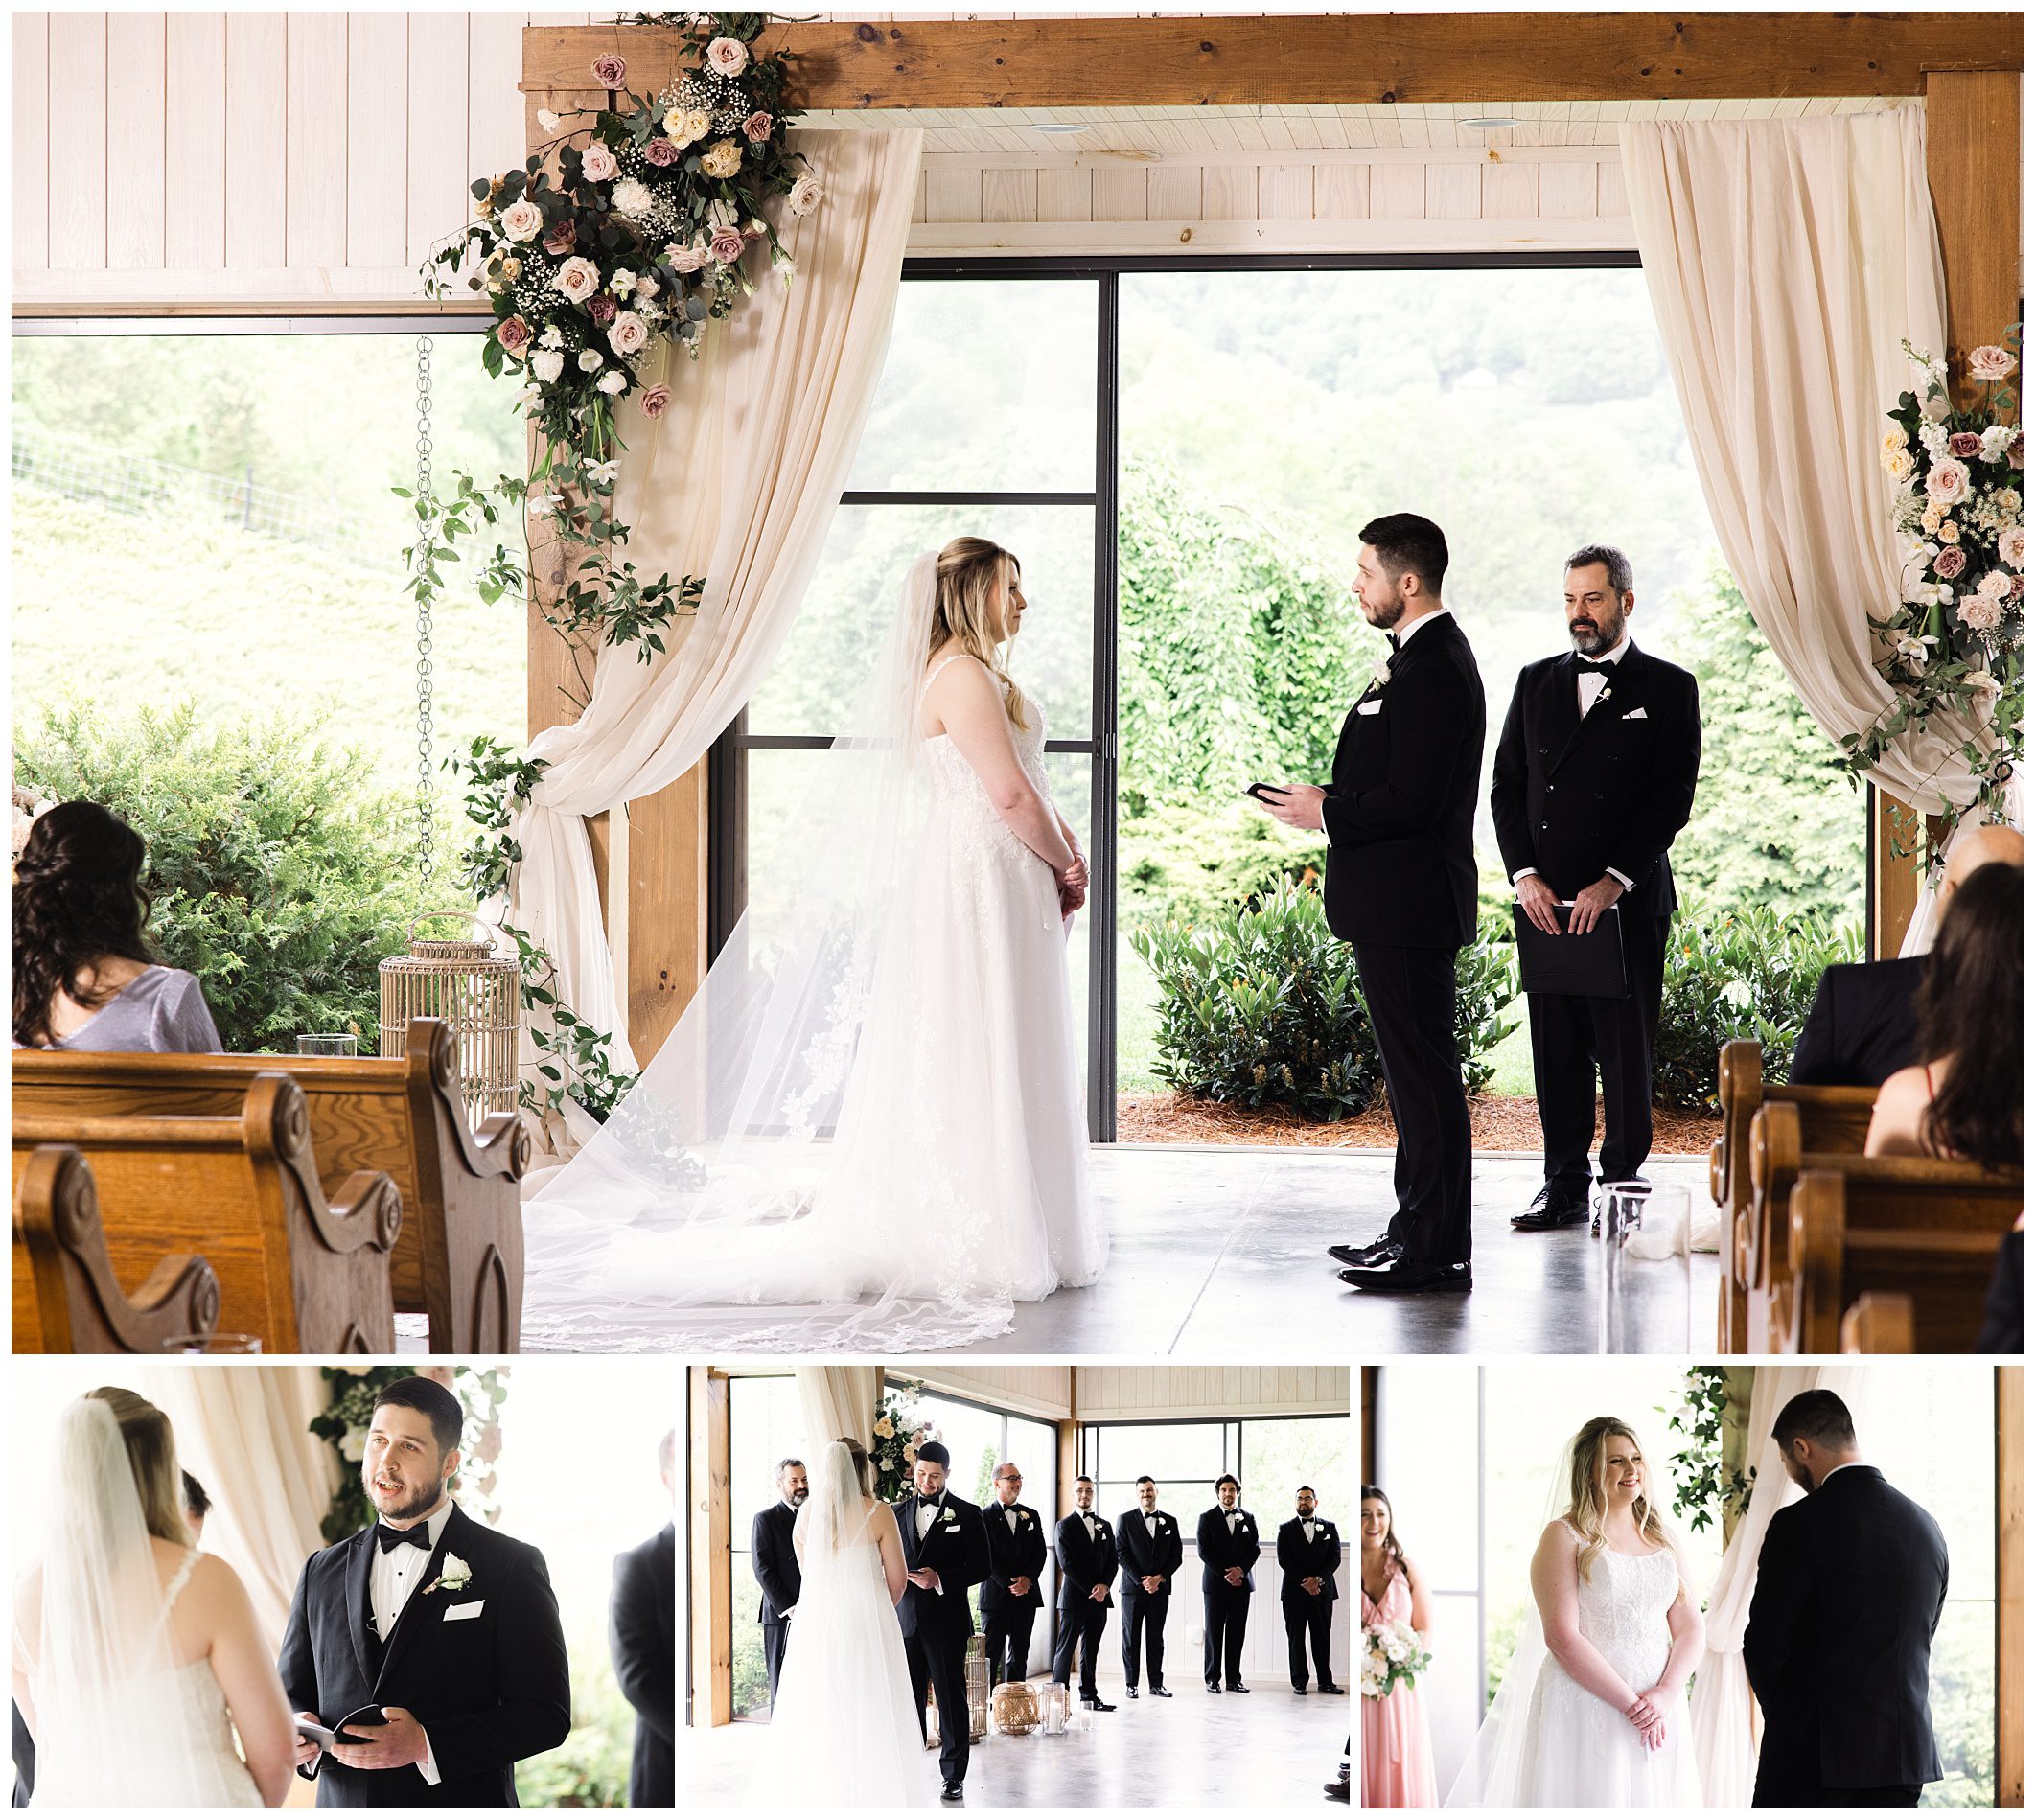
[[1594, 776]]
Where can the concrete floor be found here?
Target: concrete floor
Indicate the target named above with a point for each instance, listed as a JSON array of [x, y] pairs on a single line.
[[1270, 1749]]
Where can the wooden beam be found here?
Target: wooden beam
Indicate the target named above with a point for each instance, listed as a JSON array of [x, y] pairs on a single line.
[[2009, 1667], [1367, 1425], [1410, 59], [709, 1561], [1975, 156]]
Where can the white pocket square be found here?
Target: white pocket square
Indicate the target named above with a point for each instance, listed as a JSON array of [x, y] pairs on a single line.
[[1370, 708], [454, 1613], [1638, 714]]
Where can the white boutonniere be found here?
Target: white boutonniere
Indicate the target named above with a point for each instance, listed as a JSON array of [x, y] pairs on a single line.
[[1381, 673], [454, 1574]]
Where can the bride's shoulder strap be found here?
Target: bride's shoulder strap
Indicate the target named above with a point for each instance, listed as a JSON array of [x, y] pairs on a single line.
[[180, 1580], [953, 656]]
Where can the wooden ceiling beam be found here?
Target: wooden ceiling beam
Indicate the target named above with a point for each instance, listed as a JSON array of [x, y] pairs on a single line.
[[1327, 59]]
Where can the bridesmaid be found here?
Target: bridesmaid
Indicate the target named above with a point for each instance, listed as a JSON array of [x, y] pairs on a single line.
[[1399, 1765]]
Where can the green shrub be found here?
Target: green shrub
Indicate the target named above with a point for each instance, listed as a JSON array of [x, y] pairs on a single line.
[[1264, 1007], [1205, 864], [280, 878], [1734, 973]]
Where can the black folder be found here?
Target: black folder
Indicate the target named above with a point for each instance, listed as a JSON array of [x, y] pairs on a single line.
[[1587, 966]]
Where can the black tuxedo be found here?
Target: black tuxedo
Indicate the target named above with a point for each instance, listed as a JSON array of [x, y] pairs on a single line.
[[489, 1690], [641, 1646], [1851, 1584], [1861, 1025], [1086, 1563], [937, 1626], [1139, 1556], [1309, 1615], [1575, 797], [1225, 1609], [1007, 1616], [777, 1569], [24, 1759], [1401, 888]]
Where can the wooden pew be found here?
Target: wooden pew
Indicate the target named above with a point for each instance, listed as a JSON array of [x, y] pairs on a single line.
[[66, 1298], [1889, 1231], [459, 1256], [302, 1273], [1835, 1118], [1879, 1322]]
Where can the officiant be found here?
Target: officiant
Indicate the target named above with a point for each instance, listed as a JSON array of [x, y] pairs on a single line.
[[775, 1565], [1594, 776]]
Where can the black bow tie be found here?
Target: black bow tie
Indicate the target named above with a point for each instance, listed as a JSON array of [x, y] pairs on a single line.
[[387, 1538], [926, 1503], [1584, 665]]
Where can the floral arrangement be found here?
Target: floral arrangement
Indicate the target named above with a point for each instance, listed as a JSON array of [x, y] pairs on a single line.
[[1703, 1484], [895, 1441], [28, 809], [1953, 650], [343, 1424], [1392, 1657]]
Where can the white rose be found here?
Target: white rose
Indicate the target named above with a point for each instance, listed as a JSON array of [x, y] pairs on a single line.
[[630, 197], [613, 383], [1948, 482], [628, 334], [805, 195], [548, 120], [1994, 584], [523, 221], [727, 57], [578, 278], [597, 164], [722, 159], [453, 1573], [2009, 544], [547, 364], [1985, 687], [1980, 612]]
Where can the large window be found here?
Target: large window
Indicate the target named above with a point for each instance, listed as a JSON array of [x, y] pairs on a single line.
[[1271, 1457]]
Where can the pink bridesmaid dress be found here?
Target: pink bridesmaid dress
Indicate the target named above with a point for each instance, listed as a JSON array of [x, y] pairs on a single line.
[[1399, 1767]]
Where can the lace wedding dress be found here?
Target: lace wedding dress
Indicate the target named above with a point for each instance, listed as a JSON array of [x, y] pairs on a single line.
[[867, 1132]]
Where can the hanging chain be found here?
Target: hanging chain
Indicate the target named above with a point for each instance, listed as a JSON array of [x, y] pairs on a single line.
[[425, 821]]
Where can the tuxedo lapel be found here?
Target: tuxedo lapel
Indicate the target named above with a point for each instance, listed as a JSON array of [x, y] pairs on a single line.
[[359, 1614], [407, 1619], [1621, 695]]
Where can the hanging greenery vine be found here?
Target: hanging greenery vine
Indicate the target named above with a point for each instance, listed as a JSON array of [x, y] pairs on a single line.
[[343, 1425], [1705, 1490], [623, 235]]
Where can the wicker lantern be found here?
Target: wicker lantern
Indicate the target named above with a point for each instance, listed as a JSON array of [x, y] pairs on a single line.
[[1014, 1709], [977, 1666], [476, 992]]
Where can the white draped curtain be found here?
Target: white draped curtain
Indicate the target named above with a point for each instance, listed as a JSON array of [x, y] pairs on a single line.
[[835, 1400], [737, 483], [1786, 261]]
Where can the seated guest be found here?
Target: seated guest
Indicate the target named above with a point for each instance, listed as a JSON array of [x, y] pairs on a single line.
[[1863, 1026], [84, 977], [197, 1507], [2000, 1322]]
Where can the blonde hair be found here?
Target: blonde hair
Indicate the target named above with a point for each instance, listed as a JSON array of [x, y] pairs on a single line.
[[1586, 1491], [966, 574], [858, 1462], [152, 1457]]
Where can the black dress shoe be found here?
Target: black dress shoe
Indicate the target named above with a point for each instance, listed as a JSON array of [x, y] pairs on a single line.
[[1096, 1705], [1406, 1280], [1339, 1789], [1301, 1687], [1130, 1693], [950, 1791], [1381, 1250], [1160, 1693], [1554, 1207], [1329, 1687], [1235, 1687], [1212, 1686]]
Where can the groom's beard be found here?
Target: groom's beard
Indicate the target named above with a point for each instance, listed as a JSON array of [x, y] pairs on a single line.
[[413, 1507]]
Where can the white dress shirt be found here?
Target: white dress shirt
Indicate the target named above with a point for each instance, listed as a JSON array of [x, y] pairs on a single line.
[[1152, 1524], [393, 1576], [1307, 1528], [1589, 686], [1011, 1518], [1407, 628]]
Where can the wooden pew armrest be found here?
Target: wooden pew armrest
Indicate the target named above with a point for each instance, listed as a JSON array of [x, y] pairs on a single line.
[[366, 1210]]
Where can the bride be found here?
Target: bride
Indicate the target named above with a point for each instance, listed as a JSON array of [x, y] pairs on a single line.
[[136, 1660], [1594, 1709], [844, 1715], [867, 1129]]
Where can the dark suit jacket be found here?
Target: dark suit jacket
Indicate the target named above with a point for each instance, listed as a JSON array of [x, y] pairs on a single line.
[[1861, 1027], [1298, 1560], [957, 1548], [1019, 1557], [1220, 1549], [1084, 1565], [24, 1759], [489, 1690], [1403, 797], [640, 1643], [773, 1562], [1850, 1586], [1139, 1554], [1576, 798]]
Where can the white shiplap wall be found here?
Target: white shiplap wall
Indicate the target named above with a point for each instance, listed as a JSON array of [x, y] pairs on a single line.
[[1120, 1392]]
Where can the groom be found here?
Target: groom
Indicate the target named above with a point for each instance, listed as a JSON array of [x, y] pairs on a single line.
[[436, 1637], [947, 1553], [1850, 1586], [1402, 890]]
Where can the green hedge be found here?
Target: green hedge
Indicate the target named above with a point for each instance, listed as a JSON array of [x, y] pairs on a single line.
[[281, 877]]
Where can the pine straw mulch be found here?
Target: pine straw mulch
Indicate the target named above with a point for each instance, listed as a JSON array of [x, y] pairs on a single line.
[[1497, 1122]]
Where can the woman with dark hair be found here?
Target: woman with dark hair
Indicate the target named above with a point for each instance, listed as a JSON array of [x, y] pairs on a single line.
[[1399, 1763], [84, 974]]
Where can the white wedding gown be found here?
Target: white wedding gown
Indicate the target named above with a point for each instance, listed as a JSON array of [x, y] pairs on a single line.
[[1581, 1753], [845, 1729]]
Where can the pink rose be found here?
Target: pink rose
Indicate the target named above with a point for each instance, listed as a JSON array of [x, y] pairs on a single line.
[[561, 239], [1950, 563], [2010, 544], [597, 164], [2015, 588], [685, 259], [1980, 612], [1948, 483], [1964, 444], [578, 279], [2015, 450], [514, 333], [660, 153], [521, 219], [1990, 363], [655, 400], [629, 335], [727, 56], [611, 71], [727, 245], [602, 309], [757, 128]]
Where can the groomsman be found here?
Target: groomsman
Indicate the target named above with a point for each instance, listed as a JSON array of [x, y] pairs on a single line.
[[1227, 1540], [775, 1566], [1309, 1553], [1401, 888], [1594, 775], [1149, 1548], [1087, 1553], [1010, 1593]]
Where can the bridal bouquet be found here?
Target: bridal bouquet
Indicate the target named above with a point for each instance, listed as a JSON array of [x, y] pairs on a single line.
[[1392, 1657], [1953, 650]]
